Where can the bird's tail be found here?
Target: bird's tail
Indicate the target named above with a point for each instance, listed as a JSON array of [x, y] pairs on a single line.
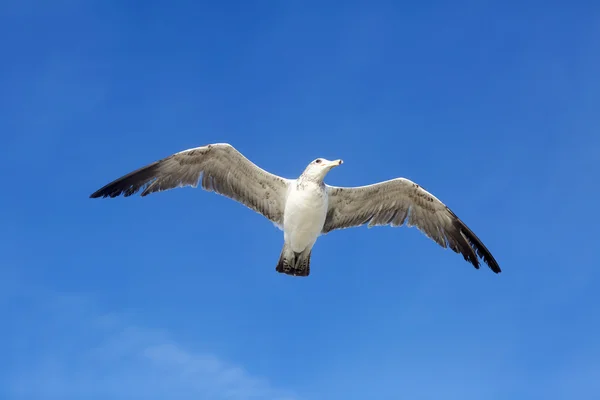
[[292, 263]]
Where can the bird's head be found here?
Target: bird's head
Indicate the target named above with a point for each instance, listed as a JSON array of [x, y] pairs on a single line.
[[318, 168]]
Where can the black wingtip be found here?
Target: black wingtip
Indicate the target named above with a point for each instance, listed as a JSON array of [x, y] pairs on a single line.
[[481, 251], [104, 192], [495, 268], [494, 265], [129, 184], [478, 248]]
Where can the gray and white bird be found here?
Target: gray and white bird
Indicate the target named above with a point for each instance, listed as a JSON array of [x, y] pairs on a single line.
[[306, 207]]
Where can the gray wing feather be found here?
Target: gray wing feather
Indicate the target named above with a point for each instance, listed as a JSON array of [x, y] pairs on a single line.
[[400, 201], [219, 168]]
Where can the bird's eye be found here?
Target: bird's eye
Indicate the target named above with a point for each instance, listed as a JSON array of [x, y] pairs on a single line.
[[318, 161]]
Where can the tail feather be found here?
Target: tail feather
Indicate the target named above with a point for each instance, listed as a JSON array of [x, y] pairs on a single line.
[[292, 263]]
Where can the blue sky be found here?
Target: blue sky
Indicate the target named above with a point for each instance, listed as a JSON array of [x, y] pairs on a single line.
[[491, 106]]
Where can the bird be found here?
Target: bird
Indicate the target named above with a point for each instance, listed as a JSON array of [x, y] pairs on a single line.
[[306, 207]]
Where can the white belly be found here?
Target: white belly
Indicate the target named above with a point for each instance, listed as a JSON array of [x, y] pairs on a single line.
[[303, 218]]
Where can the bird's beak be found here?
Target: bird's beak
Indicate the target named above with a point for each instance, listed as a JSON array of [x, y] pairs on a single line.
[[335, 163]]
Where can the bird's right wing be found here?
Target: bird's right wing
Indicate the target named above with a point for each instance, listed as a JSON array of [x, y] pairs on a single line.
[[220, 167], [400, 200]]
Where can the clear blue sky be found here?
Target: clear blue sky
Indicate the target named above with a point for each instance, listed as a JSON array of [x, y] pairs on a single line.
[[491, 106]]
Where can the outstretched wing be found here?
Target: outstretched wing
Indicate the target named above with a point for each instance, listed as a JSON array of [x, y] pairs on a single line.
[[221, 169], [400, 200]]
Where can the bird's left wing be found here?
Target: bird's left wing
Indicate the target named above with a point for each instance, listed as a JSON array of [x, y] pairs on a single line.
[[400, 200], [220, 167]]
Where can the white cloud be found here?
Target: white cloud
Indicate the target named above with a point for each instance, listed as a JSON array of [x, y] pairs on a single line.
[[104, 357]]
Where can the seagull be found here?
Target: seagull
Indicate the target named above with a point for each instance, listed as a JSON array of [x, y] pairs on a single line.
[[304, 208]]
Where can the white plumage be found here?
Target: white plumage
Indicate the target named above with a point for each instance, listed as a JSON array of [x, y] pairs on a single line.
[[304, 215]]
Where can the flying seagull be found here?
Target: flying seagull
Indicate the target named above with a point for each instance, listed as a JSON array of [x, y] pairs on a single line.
[[306, 207]]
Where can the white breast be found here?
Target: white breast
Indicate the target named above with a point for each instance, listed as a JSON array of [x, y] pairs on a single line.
[[304, 216]]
